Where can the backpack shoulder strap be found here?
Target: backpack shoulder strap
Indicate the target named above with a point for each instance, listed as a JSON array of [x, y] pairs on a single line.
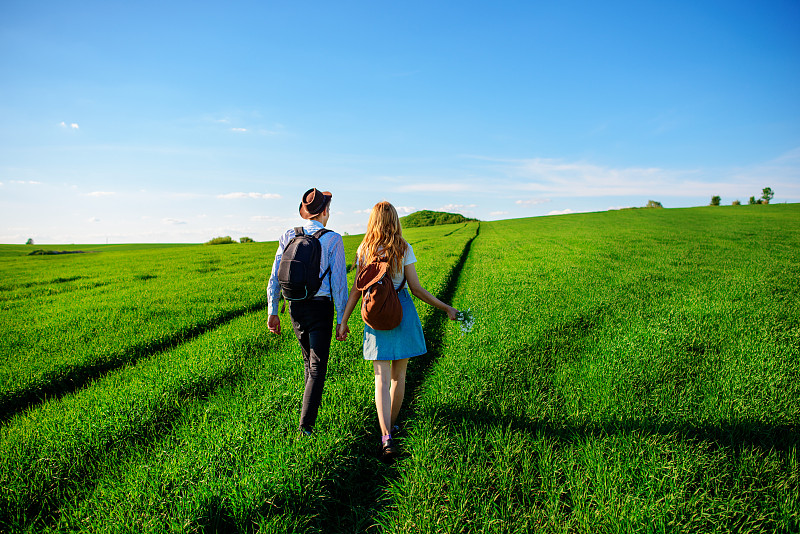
[[298, 230], [402, 285], [321, 232]]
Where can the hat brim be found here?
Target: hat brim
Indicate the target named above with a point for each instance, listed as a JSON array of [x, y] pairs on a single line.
[[304, 213]]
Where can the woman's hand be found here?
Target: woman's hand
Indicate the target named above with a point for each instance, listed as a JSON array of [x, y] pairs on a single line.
[[341, 331], [452, 313]]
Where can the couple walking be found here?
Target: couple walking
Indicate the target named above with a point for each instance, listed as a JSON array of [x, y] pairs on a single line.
[[312, 318]]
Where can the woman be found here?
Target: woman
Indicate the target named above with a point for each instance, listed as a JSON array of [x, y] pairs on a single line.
[[390, 349]]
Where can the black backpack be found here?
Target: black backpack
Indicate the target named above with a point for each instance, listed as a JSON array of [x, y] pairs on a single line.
[[299, 266]]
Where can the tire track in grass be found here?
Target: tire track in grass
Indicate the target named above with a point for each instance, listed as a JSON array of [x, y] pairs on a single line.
[[51, 454], [59, 383]]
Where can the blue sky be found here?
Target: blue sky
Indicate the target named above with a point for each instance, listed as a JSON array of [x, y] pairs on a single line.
[[181, 121]]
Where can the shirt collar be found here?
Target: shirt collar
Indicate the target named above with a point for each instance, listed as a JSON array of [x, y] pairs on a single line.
[[314, 224]]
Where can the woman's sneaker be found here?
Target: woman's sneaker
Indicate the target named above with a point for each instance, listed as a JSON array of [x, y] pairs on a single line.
[[388, 450]]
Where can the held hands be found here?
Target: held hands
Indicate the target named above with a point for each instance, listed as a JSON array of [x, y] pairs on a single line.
[[274, 324], [341, 331]]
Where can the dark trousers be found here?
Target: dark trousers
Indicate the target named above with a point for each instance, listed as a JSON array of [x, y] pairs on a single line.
[[313, 325]]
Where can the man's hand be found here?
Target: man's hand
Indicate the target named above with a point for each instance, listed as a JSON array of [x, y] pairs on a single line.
[[341, 332], [274, 324]]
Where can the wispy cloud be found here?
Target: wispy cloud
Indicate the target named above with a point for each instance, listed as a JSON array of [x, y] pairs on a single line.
[[93, 220], [528, 202], [100, 194], [561, 212], [24, 182], [267, 218], [249, 195], [70, 126], [169, 220], [457, 207], [440, 187], [238, 129], [401, 210]]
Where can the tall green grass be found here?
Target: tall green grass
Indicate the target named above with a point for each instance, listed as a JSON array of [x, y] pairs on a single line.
[[67, 319], [199, 436], [628, 371]]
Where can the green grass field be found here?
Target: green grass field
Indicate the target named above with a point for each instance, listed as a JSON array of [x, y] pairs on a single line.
[[630, 371]]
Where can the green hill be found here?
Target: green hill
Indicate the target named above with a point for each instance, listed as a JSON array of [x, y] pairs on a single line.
[[432, 218]]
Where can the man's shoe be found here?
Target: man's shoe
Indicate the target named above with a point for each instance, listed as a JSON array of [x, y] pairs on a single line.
[[306, 431]]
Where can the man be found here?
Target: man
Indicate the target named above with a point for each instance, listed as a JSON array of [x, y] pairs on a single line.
[[312, 319]]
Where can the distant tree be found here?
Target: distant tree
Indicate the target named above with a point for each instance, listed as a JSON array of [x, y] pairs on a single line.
[[715, 200], [753, 201], [654, 204], [736, 203], [220, 241], [432, 218], [245, 240], [29, 241], [767, 194]]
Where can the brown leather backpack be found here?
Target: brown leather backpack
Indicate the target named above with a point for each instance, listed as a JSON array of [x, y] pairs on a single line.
[[380, 305]]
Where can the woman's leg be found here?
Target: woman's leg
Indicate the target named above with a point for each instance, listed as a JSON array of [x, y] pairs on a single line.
[[383, 399], [398, 388]]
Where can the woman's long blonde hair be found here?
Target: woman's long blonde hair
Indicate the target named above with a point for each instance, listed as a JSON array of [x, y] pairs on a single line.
[[384, 238]]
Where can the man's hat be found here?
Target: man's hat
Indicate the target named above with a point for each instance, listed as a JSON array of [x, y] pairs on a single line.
[[314, 202]]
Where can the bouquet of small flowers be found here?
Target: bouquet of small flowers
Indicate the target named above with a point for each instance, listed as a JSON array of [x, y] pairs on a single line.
[[465, 321]]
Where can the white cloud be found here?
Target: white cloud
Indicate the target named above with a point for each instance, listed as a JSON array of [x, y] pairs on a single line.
[[238, 129], [498, 213], [169, 220], [401, 210], [25, 182], [71, 125], [532, 201], [441, 187], [93, 220], [457, 207], [561, 212], [248, 195], [100, 194]]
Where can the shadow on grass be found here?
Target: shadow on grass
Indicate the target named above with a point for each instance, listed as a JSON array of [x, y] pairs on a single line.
[[71, 380], [782, 438]]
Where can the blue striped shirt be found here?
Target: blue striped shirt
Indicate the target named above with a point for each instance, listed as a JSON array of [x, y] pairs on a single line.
[[334, 286]]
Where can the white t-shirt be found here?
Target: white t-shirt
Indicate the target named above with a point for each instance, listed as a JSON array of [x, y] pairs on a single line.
[[408, 259]]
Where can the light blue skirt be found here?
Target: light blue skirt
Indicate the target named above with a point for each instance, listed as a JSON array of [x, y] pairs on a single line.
[[405, 341]]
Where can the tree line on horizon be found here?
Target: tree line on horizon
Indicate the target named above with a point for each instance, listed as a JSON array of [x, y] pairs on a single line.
[[766, 195]]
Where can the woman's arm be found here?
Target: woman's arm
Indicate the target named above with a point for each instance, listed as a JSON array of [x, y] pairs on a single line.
[[422, 294]]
